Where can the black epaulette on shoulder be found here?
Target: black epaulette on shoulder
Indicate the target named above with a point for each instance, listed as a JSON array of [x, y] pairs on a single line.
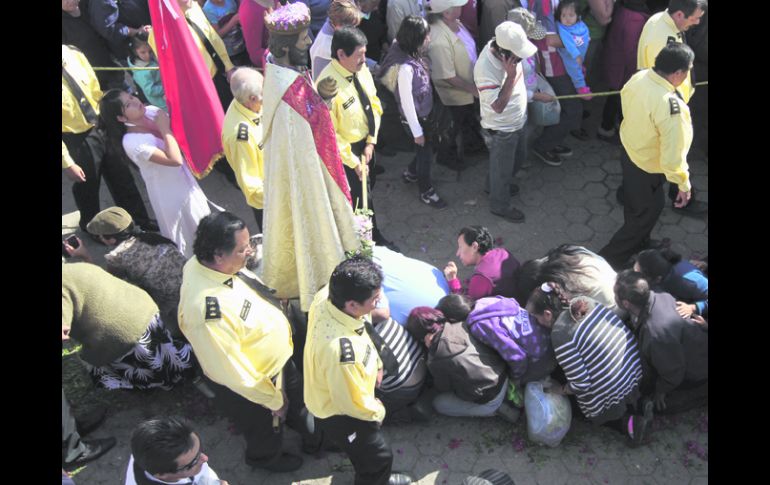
[[673, 105], [347, 356], [243, 132]]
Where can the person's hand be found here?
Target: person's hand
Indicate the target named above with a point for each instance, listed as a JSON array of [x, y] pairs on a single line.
[[368, 152], [360, 169], [450, 271], [327, 88], [145, 29], [420, 140], [80, 251], [223, 482], [281, 413], [660, 401], [509, 65], [163, 122], [699, 320], [65, 332], [682, 198], [544, 97], [379, 377], [685, 310], [75, 173], [229, 74]]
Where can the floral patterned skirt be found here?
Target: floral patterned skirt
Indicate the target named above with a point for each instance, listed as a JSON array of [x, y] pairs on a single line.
[[157, 360]]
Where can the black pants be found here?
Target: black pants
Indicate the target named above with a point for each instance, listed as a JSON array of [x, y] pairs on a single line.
[[643, 202], [71, 447], [263, 444], [364, 444], [356, 187], [89, 151], [465, 135], [570, 118]]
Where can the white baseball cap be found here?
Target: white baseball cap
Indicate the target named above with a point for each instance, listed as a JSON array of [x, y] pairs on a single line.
[[510, 35], [438, 6]]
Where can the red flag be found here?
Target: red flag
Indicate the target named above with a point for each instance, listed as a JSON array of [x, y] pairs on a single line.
[[196, 113]]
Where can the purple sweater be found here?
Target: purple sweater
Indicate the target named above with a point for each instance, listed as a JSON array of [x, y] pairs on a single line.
[[506, 327]]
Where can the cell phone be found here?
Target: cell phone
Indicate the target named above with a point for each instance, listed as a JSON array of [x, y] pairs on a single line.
[[72, 240]]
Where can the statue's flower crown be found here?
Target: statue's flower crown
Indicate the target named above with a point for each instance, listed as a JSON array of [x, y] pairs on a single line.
[[288, 19]]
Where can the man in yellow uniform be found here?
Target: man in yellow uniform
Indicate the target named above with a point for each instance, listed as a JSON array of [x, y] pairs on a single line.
[[84, 155], [242, 134], [660, 29], [243, 342], [356, 112], [211, 47], [656, 134], [342, 366]]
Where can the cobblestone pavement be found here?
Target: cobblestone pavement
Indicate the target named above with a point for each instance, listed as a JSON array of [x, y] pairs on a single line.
[[572, 203]]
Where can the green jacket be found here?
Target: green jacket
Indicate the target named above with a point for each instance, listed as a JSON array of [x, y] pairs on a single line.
[[106, 315]]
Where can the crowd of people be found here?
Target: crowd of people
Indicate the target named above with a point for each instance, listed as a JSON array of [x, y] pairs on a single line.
[[304, 325]]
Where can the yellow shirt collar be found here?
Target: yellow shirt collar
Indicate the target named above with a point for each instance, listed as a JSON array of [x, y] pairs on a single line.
[[343, 318], [341, 70], [658, 79], [246, 112], [213, 275]]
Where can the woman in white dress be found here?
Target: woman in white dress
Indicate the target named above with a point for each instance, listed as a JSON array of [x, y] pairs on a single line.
[[144, 132]]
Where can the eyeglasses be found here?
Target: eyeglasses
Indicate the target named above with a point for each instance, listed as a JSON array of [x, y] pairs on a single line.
[[192, 464]]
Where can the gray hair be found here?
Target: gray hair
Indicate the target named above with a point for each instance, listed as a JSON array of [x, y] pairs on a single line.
[[246, 82]]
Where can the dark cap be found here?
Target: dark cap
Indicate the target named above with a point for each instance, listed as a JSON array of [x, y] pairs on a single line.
[[109, 221]]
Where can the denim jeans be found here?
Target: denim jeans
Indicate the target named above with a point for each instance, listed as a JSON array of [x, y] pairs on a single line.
[[448, 404], [570, 118], [506, 148], [423, 157]]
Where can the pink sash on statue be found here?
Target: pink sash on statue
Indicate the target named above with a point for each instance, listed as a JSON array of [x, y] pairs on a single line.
[[196, 113], [308, 104]]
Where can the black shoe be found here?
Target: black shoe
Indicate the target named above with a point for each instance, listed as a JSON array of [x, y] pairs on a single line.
[[512, 215], [637, 426], [89, 422], [408, 176], [562, 151], [431, 198], [421, 411], [549, 158], [400, 479], [513, 190], [379, 169], [286, 462], [94, 449], [150, 225], [580, 134], [695, 208]]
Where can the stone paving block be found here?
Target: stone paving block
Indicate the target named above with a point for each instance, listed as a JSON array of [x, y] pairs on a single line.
[[675, 233], [573, 182], [612, 167], [603, 223], [405, 455], [553, 473], [668, 216], [594, 174], [596, 189], [607, 471], [639, 461], [552, 174], [531, 198], [673, 470], [579, 232], [692, 225], [574, 198], [431, 470], [577, 215], [701, 480], [554, 205], [598, 206], [591, 159], [523, 478]]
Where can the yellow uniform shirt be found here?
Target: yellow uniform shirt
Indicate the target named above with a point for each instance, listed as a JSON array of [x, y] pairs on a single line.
[[347, 111], [659, 29], [241, 340], [196, 15], [72, 118], [241, 134], [340, 365], [449, 58], [657, 129]]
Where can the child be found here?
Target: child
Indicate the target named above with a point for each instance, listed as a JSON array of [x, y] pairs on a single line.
[[574, 35], [148, 80]]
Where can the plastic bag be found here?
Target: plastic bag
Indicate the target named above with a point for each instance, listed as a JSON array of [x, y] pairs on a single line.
[[548, 415], [544, 114]]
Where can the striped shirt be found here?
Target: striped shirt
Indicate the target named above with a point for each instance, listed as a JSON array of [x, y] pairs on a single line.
[[406, 349], [599, 356]]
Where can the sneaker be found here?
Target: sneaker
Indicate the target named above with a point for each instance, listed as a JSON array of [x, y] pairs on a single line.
[[508, 412], [409, 177], [512, 215], [602, 134], [580, 134], [400, 479], [549, 158], [637, 425], [93, 449], [431, 198], [562, 151]]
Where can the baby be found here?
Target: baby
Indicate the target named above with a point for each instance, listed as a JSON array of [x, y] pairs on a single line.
[[574, 35]]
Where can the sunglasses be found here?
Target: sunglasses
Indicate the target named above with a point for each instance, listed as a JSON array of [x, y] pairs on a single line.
[[192, 464]]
